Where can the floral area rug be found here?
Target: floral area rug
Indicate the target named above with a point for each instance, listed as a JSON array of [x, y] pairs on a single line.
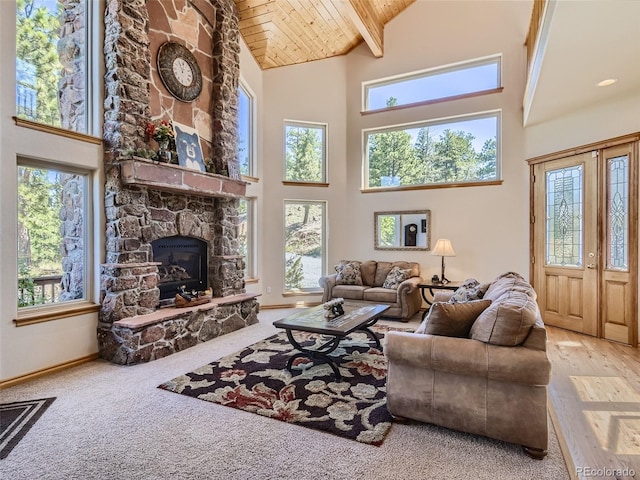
[[256, 380]]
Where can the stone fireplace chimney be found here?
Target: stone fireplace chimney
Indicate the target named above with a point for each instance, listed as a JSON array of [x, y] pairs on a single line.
[[146, 201]]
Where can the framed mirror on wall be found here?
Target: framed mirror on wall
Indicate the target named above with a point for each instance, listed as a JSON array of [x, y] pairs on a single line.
[[402, 230]]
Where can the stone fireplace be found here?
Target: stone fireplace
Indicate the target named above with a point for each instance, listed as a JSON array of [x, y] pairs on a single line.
[[167, 225]]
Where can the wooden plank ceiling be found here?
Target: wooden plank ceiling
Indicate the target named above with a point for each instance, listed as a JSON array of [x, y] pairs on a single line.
[[286, 32]]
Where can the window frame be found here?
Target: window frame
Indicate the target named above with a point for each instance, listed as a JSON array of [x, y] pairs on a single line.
[[432, 72], [32, 314], [324, 127], [252, 121], [497, 113], [324, 245]]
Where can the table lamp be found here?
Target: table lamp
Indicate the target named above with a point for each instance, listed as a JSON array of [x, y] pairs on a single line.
[[444, 249]]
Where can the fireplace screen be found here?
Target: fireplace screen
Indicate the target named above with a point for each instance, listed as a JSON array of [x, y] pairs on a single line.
[[184, 262]]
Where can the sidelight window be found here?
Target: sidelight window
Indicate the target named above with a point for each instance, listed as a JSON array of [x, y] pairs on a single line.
[[618, 213]]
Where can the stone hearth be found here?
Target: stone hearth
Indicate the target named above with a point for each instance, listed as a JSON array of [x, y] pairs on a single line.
[[146, 201], [148, 337]]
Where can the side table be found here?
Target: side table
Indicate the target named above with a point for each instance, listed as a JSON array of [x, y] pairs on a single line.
[[431, 286]]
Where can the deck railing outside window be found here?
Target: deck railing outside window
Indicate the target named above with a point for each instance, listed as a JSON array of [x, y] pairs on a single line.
[[39, 290]]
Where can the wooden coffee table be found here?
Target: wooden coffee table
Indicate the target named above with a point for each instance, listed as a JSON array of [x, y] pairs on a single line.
[[357, 317]]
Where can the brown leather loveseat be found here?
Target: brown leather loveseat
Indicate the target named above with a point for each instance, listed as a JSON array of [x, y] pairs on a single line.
[[486, 375]]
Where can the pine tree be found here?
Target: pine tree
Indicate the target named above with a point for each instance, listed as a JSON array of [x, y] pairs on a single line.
[[392, 158], [293, 273], [37, 34], [303, 154], [455, 157], [487, 161]]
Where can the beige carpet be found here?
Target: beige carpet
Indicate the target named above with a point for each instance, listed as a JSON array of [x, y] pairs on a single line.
[[112, 422]]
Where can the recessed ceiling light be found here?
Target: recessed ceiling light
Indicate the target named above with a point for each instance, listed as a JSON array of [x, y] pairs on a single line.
[[607, 82]]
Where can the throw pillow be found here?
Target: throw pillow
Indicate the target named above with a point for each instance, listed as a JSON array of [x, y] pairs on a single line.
[[506, 322], [395, 277], [348, 273], [470, 290], [454, 319]]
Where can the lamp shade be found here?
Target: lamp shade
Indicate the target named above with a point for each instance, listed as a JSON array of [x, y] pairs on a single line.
[[443, 248]]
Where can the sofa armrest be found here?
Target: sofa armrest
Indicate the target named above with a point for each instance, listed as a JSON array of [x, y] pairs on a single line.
[[409, 285], [464, 356], [327, 283]]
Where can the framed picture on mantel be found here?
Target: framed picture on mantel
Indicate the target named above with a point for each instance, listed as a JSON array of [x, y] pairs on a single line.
[[188, 147]]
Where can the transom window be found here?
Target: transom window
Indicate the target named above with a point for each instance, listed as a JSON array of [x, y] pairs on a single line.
[[51, 63], [454, 150], [305, 152], [440, 83]]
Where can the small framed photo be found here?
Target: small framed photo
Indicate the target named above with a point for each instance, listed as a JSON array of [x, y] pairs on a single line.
[[188, 147]]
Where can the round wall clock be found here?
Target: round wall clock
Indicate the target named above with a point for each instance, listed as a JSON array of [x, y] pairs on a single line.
[[179, 71]]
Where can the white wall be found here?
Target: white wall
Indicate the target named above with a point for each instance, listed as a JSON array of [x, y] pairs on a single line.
[[311, 92], [33, 347], [589, 125], [487, 225]]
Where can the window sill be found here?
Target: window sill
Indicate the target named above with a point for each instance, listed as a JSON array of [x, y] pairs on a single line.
[[33, 315], [250, 179], [304, 184], [430, 187], [251, 280], [42, 127]]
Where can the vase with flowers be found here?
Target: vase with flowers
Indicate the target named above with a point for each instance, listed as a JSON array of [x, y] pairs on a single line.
[[162, 132]]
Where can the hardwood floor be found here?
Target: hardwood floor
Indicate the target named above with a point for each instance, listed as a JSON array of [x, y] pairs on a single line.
[[595, 402]]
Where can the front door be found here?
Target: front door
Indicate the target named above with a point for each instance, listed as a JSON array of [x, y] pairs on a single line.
[[583, 269]]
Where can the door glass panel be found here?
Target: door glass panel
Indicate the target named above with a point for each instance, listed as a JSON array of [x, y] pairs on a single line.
[[564, 216], [618, 213]]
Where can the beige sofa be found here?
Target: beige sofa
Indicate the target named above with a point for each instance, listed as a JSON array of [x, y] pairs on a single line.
[[388, 283], [491, 381]]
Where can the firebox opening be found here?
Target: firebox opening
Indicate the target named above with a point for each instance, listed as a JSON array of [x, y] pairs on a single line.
[[184, 262]]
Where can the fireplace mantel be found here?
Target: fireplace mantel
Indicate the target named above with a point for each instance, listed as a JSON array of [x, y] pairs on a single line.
[[177, 179]]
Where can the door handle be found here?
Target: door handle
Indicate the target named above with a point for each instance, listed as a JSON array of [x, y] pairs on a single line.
[[591, 265]]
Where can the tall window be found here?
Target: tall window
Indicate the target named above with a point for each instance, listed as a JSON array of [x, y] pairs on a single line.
[[245, 234], [305, 244], [51, 63], [465, 78], [461, 149], [305, 152], [245, 130], [52, 225]]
